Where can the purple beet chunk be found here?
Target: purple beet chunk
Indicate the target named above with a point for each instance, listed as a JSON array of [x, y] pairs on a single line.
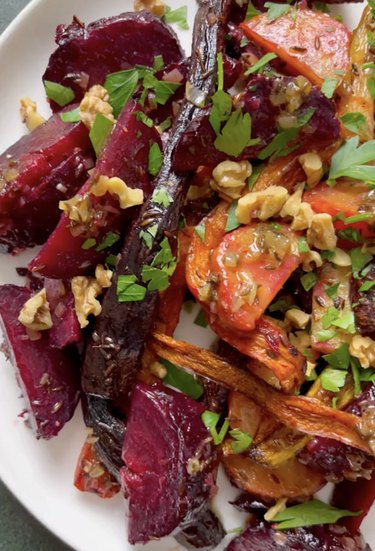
[[197, 144], [364, 305], [30, 173], [125, 156], [164, 432], [66, 329], [37, 212], [260, 536], [48, 377], [86, 55], [338, 461]]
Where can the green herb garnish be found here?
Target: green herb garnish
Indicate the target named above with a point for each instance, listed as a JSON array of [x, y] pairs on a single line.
[[232, 221], [350, 161], [309, 280], [241, 441], [109, 240], [353, 121], [259, 66], [62, 95], [310, 513], [71, 116], [328, 87], [99, 132], [121, 87], [155, 159], [210, 421], [128, 289], [333, 379], [178, 378], [274, 11], [177, 16]]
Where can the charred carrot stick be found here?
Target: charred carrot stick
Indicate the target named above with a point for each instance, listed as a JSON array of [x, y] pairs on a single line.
[[113, 354], [299, 412]]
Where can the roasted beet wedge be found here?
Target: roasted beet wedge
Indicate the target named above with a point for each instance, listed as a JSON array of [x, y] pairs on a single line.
[[66, 329], [169, 462], [338, 461], [260, 536], [48, 377], [48, 165], [86, 55], [265, 100], [125, 156]]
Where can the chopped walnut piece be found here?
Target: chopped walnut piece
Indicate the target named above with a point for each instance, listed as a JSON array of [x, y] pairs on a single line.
[[312, 166], [77, 208], [261, 204], [86, 289], [363, 348], [29, 114], [321, 233], [297, 318], [157, 7], [127, 196], [304, 218], [35, 313], [311, 260], [229, 178], [293, 203], [95, 101]]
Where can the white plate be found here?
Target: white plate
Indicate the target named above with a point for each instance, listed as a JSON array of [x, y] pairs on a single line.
[[40, 473]]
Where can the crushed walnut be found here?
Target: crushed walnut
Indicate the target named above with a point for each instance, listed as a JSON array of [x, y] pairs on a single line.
[[29, 114], [261, 204], [86, 290], [363, 348], [127, 196], [321, 233], [229, 178], [35, 313], [94, 102]]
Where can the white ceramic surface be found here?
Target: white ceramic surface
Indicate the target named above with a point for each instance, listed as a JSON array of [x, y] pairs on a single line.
[[40, 473]]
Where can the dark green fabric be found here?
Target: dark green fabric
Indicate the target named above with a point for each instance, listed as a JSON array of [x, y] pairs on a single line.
[[19, 531]]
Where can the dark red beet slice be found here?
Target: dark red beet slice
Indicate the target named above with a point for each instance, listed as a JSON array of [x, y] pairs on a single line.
[[36, 212], [197, 144], [164, 434], [336, 460], [85, 55], [43, 167], [354, 496], [66, 329], [260, 536], [125, 156], [48, 377], [364, 305]]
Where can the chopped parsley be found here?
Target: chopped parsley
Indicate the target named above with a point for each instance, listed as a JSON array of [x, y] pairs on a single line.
[[309, 280], [88, 244], [366, 286], [99, 132], [353, 121], [71, 116], [142, 117], [62, 95], [333, 379], [340, 358], [235, 135], [121, 87], [302, 245], [274, 11], [310, 513], [128, 289], [331, 290], [200, 319], [158, 63], [177, 16], [259, 66], [109, 240], [200, 230], [257, 170], [149, 234], [359, 259], [350, 161], [155, 159], [241, 441], [178, 378], [210, 420], [328, 87], [232, 221], [162, 197], [156, 278], [251, 11]]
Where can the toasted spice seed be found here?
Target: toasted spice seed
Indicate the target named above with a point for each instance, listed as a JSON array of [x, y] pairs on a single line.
[[56, 407], [320, 301], [317, 42]]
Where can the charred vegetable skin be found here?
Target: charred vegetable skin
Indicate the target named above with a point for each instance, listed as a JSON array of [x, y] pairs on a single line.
[[48, 165], [261, 536], [338, 461], [48, 377], [113, 355], [86, 55], [169, 462]]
